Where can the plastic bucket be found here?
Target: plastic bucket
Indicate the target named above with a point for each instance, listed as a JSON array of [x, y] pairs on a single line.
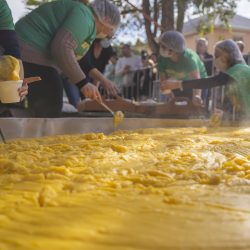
[[9, 91]]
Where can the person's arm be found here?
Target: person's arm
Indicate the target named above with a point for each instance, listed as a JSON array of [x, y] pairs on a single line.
[[196, 98], [209, 82], [63, 46], [97, 75], [108, 85], [203, 83], [9, 44], [62, 51], [68, 38]]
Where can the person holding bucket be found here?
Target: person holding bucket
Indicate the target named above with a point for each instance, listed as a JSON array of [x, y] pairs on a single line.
[[9, 50]]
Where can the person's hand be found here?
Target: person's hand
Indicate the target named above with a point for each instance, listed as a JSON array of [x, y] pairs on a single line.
[[170, 85], [23, 91], [110, 88], [197, 101], [91, 91]]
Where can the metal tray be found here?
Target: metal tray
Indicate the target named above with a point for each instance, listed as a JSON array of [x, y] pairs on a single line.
[[38, 127]]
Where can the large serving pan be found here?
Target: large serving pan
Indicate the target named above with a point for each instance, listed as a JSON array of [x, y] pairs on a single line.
[[37, 127], [91, 211]]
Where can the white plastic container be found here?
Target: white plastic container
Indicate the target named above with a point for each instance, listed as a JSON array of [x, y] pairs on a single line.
[[9, 91]]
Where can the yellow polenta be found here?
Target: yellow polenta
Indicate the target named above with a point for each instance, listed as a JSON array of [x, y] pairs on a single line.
[[145, 189], [9, 68], [118, 118]]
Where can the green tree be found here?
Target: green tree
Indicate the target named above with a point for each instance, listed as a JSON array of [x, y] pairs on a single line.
[[156, 16], [151, 17]]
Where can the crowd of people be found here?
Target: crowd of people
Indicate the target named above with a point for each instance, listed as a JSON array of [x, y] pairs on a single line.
[[65, 46]]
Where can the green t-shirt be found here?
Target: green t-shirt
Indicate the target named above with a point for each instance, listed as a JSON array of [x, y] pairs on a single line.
[[6, 20], [39, 27], [189, 62], [240, 88]]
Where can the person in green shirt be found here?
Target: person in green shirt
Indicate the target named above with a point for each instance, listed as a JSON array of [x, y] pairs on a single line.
[[234, 74], [9, 45], [6, 20], [52, 39], [180, 63]]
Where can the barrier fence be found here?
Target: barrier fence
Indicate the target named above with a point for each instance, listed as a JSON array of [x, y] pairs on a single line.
[[144, 84]]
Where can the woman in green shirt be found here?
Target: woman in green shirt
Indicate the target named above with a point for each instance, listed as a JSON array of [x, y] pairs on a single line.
[[52, 39], [178, 62]]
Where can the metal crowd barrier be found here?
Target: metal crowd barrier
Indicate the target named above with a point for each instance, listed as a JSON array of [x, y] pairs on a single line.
[[143, 84], [139, 83]]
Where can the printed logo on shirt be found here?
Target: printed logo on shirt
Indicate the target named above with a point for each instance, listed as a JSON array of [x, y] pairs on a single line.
[[85, 45], [81, 51]]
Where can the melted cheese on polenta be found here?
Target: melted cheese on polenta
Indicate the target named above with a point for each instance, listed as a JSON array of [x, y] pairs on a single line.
[[144, 189]]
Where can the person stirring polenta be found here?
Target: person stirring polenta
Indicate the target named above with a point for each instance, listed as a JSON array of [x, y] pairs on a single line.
[[181, 63], [53, 38]]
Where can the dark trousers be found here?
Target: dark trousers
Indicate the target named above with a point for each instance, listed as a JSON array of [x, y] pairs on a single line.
[[45, 98]]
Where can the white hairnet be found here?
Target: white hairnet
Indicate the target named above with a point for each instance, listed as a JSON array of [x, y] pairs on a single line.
[[173, 40], [107, 12], [231, 48]]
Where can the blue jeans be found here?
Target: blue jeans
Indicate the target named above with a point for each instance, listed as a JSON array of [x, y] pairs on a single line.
[[72, 92]]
